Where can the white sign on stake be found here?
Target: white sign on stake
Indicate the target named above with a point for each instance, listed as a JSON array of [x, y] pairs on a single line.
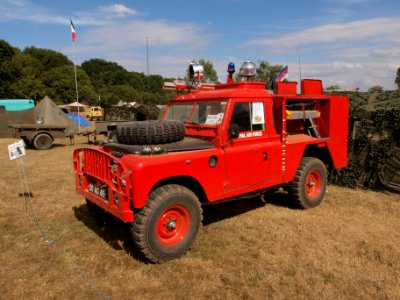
[[16, 150]]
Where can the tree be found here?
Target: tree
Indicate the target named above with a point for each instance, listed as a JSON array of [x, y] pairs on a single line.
[[267, 73], [156, 83], [6, 51], [124, 93], [210, 75], [20, 79], [27, 87], [333, 87], [138, 81], [47, 58], [397, 81], [102, 72], [60, 85], [376, 89]]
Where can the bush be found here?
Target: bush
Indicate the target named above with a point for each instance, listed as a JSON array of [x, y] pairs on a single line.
[[374, 131]]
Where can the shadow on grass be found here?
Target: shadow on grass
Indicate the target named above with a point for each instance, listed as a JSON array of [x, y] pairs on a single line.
[[220, 211], [114, 232], [117, 234], [54, 145], [282, 199]]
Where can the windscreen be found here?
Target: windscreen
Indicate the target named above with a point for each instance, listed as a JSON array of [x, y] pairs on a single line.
[[207, 113]]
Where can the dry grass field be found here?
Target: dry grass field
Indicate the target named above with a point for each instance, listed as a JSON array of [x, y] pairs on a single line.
[[347, 248]]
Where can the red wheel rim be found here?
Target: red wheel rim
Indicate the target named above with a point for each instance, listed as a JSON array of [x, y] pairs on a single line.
[[173, 225], [313, 184]]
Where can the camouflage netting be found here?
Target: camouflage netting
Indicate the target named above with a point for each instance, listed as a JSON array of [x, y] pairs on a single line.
[[134, 113], [374, 142]]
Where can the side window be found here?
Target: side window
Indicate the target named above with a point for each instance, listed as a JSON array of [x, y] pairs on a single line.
[[257, 116], [249, 116], [241, 116]]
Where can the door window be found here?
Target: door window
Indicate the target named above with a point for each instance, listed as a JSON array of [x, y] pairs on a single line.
[[248, 116]]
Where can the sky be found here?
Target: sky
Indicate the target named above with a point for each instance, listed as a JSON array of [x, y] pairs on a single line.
[[349, 43]]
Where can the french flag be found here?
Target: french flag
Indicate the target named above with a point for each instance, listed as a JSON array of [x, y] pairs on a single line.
[[73, 31], [283, 74]]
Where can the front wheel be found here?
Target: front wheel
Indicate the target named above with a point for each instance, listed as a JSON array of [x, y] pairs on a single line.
[[309, 184], [168, 224]]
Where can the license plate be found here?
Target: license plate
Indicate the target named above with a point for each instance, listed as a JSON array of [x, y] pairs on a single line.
[[101, 191]]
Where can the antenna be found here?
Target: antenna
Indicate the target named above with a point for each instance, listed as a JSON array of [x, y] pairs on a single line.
[[298, 50], [147, 62], [147, 54]]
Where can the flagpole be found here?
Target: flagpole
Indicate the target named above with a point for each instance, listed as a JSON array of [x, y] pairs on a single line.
[[76, 78]]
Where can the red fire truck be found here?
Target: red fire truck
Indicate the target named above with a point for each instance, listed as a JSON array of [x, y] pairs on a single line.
[[214, 143]]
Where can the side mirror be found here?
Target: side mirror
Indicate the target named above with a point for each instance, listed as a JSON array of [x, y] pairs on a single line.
[[233, 130]]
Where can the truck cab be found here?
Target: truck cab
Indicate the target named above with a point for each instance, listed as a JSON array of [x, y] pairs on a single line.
[[214, 143], [93, 113]]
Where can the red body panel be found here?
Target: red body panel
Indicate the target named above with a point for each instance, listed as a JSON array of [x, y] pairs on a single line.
[[253, 161]]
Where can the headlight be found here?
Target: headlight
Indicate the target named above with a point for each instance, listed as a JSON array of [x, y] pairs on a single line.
[[81, 157], [123, 179], [116, 198], [114, 175]]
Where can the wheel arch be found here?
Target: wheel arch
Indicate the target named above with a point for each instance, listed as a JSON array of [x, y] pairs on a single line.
[[186, 181], [42, 132], [322, 154]]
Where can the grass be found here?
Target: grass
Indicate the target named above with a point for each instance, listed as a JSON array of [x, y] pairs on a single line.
[[251, 249]]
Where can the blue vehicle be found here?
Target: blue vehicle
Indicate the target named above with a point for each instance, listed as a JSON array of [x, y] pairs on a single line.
[[16, 104]]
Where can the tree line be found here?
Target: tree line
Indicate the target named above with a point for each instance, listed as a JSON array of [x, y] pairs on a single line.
[[36, 72]]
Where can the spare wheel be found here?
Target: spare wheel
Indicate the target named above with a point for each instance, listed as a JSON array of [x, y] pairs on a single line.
[[151, 132]]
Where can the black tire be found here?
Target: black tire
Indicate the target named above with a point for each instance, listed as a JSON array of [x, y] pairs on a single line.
[[151, 132], [309, 184], [168, 224], [42, 141]]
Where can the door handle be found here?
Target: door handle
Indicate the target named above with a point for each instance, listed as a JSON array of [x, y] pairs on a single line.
[[265, 155]]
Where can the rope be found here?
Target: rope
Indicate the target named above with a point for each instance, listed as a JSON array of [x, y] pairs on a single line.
[[28, 202]]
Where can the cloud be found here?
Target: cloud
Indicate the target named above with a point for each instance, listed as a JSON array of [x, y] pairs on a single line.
[[350, 2], [346, 65], [365, 30], [117, 11], [160, 33], [171, 45], [360, 53], [25, 10]]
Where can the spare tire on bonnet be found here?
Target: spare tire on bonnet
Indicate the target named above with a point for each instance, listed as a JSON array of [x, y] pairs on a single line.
[[151, 132]]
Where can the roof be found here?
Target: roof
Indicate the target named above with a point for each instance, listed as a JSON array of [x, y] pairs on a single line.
[[17, 104]]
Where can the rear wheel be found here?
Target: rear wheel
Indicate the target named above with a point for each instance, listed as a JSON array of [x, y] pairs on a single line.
[[168, 224], [42, 141], [309, 185]]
